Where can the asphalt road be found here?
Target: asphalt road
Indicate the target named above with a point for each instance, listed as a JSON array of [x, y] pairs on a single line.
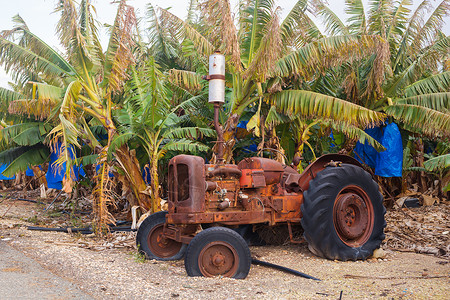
[[24, 278]]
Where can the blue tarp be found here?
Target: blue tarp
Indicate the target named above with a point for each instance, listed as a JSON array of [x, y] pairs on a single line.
[[389, 162], [29, 172], [242, 124], [366, 153], [110, 174], [3, 177], [146, 174], [54, 178]]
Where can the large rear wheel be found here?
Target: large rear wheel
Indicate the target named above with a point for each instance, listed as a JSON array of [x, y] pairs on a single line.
[[218, 251], [153, 244], [343, 214]]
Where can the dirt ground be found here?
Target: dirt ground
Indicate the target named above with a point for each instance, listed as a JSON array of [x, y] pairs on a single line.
[[112, 269]]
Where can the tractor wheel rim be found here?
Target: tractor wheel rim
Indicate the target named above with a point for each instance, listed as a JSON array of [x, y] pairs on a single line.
[[218, 258], [161, 246], [353, 216]]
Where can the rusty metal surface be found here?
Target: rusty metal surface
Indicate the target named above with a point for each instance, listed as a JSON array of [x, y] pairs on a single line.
[[160, 245], [310, 172], [219, 130], [272, 170], [353, 216], [218, 258], [187, 187], [224, 171]]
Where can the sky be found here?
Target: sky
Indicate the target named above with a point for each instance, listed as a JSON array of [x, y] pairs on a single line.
[[41, 20]]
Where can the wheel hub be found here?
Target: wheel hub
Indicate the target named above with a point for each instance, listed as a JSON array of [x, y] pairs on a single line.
[[161, 246], [353, 215], [218, 258]]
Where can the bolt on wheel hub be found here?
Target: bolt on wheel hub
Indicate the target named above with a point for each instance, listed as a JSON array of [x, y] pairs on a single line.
[[353, 216], [218, 258]]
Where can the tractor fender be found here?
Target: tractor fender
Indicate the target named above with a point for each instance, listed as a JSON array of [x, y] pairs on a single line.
[[321, 163]]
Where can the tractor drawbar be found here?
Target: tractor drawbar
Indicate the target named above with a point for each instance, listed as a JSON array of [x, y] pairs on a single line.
[[281, 268]]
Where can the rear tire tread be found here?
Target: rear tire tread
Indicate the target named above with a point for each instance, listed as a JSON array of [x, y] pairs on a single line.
[[317, 210]]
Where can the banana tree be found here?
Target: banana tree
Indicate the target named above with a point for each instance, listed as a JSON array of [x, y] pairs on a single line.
[[83, 84], [407, 80], [263, 53], [149, 117]]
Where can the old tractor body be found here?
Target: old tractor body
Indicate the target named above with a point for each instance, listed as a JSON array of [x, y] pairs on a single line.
[[336, 202]]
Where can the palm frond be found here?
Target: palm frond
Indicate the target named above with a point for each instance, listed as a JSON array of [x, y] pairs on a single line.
[[413, 27], [181, 30], [184, 146], [6, 97], [333, 24], [254, 16], [426, 34], [323, 54], [87, 159], [46, 91], [25, 157], [19, 60], [192, 11], [119, 55], [436, 101], [193, 103], [310, 104], [420, 65], [189, 81], [380, 15], [274, 118], [32, 42], [119, 141], [160, 43], [192, 133], [355, 133], [432, 84], [217, 15], [72, 30], [267, 53], [357, 16], [41, 109], [396, 26], [422, 119], [26, 134], [289, 26], [437, 163]]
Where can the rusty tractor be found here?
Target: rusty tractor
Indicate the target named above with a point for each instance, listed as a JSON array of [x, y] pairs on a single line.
[[335, 200]]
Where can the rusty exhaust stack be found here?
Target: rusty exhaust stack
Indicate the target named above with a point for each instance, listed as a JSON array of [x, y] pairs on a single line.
[[216, 95], [218, 128]]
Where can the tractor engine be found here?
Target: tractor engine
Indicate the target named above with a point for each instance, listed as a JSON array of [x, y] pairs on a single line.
[[248, 193]]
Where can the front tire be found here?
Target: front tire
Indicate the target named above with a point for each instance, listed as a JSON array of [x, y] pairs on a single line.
[[150, 241], [343, 214], [218, 251]]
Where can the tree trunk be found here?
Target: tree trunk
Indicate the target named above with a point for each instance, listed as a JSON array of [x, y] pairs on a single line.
[[40, 175], [133, 173], [156, 200], [229, 134], [421, 178], [273, 142]]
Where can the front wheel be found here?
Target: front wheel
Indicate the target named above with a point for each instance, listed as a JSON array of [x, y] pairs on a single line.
[[218, 251], [153, 244], [343, 214]]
